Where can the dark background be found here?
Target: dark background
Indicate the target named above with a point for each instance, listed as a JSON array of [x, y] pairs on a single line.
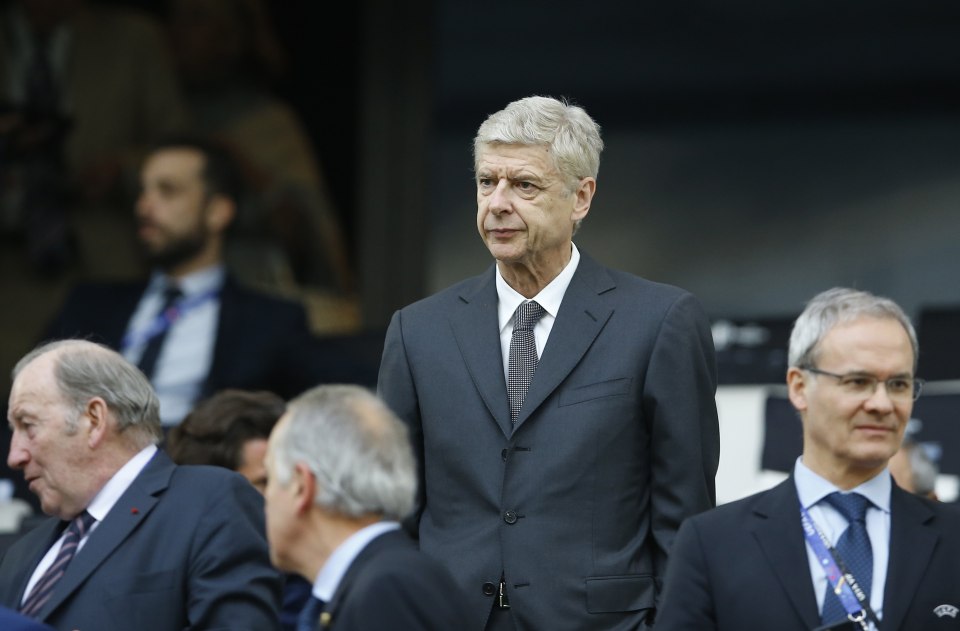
[[758, 152]]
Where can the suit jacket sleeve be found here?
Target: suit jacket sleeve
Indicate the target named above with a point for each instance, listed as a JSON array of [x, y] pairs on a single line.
[[680, 398], [395, 384], [232, 582], [687, 603]]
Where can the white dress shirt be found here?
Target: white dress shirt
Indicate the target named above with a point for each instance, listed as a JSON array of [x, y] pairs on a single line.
[[187, 352], [549, 298]]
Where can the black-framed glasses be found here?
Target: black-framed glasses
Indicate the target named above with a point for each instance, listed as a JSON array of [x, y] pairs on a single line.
[[865, 385]]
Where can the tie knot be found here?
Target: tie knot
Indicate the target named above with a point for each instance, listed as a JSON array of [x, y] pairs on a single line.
[[171, 294], [81, 524], [853, 506], [527, 315]]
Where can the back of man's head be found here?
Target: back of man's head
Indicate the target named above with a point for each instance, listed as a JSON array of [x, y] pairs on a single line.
[[217, 429], [357, 448]]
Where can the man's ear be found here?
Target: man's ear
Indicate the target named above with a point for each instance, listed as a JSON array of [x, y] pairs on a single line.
[[797, 388], [305, 487], [221, 211], [584, 196], [98, 416]]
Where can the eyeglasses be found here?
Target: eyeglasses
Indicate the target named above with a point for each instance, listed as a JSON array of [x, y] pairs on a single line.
[[864, 385]]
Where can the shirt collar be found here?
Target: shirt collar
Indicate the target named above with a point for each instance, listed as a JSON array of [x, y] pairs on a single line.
[[336, 566], [104, 500], [811, 487], [206, 279], [549, 297]]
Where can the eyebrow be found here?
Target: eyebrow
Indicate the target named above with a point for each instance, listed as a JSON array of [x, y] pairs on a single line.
[[865, 373]]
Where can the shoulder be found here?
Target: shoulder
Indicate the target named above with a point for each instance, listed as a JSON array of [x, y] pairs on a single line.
[[207, 481], [460, 293], [94, 290], [734, 515], [629, 287], [395, 556], [95, 308], [236, 293], [943, 514], [213, 494]]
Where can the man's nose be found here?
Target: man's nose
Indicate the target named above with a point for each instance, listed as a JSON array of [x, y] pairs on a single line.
[[144, 204], [18, 457], [499, 200], [880, 399]]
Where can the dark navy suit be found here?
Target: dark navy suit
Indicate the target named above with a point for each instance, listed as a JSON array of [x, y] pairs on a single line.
[[392, 585], [183, 548], [744, 565], [263, 341]]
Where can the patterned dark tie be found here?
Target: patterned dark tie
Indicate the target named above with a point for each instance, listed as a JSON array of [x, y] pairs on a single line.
[[854, 550], [310, 614], [523, 355], [148, 361], [44, 587]]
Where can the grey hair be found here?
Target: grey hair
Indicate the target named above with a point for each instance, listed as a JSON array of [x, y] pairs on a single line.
[[84, 370], [565, 130], [358, 449], [835, 306]]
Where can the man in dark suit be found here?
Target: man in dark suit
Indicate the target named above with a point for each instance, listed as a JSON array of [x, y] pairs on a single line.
[[786, 558], [341, 475], [554, 509], [161, 547], [215, 333]]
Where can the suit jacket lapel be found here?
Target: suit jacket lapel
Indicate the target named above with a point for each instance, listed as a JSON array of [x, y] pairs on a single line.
[[48, 531], [131, 509], [776, 525], [583, 314], [475, 329], [911, 548], [229, 330], [115, 321]]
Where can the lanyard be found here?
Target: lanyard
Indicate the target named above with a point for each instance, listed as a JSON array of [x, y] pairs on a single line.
[[843, 583], [165, 319]]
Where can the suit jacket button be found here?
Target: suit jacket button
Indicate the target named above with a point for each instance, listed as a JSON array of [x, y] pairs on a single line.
[[503, 454], [489, 589], [510, 517]]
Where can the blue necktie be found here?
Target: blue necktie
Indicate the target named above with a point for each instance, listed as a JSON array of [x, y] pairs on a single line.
[[148, 361], [854, 550], [310, 614]]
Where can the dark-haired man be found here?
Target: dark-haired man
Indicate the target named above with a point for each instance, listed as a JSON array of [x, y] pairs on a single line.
[[191, 327]]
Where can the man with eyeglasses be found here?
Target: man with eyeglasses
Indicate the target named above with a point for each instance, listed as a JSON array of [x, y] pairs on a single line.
[[838, 545]]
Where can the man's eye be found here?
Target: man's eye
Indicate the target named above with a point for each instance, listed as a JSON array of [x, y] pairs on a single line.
[[858, 382], [526, 186], [899, 385]]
